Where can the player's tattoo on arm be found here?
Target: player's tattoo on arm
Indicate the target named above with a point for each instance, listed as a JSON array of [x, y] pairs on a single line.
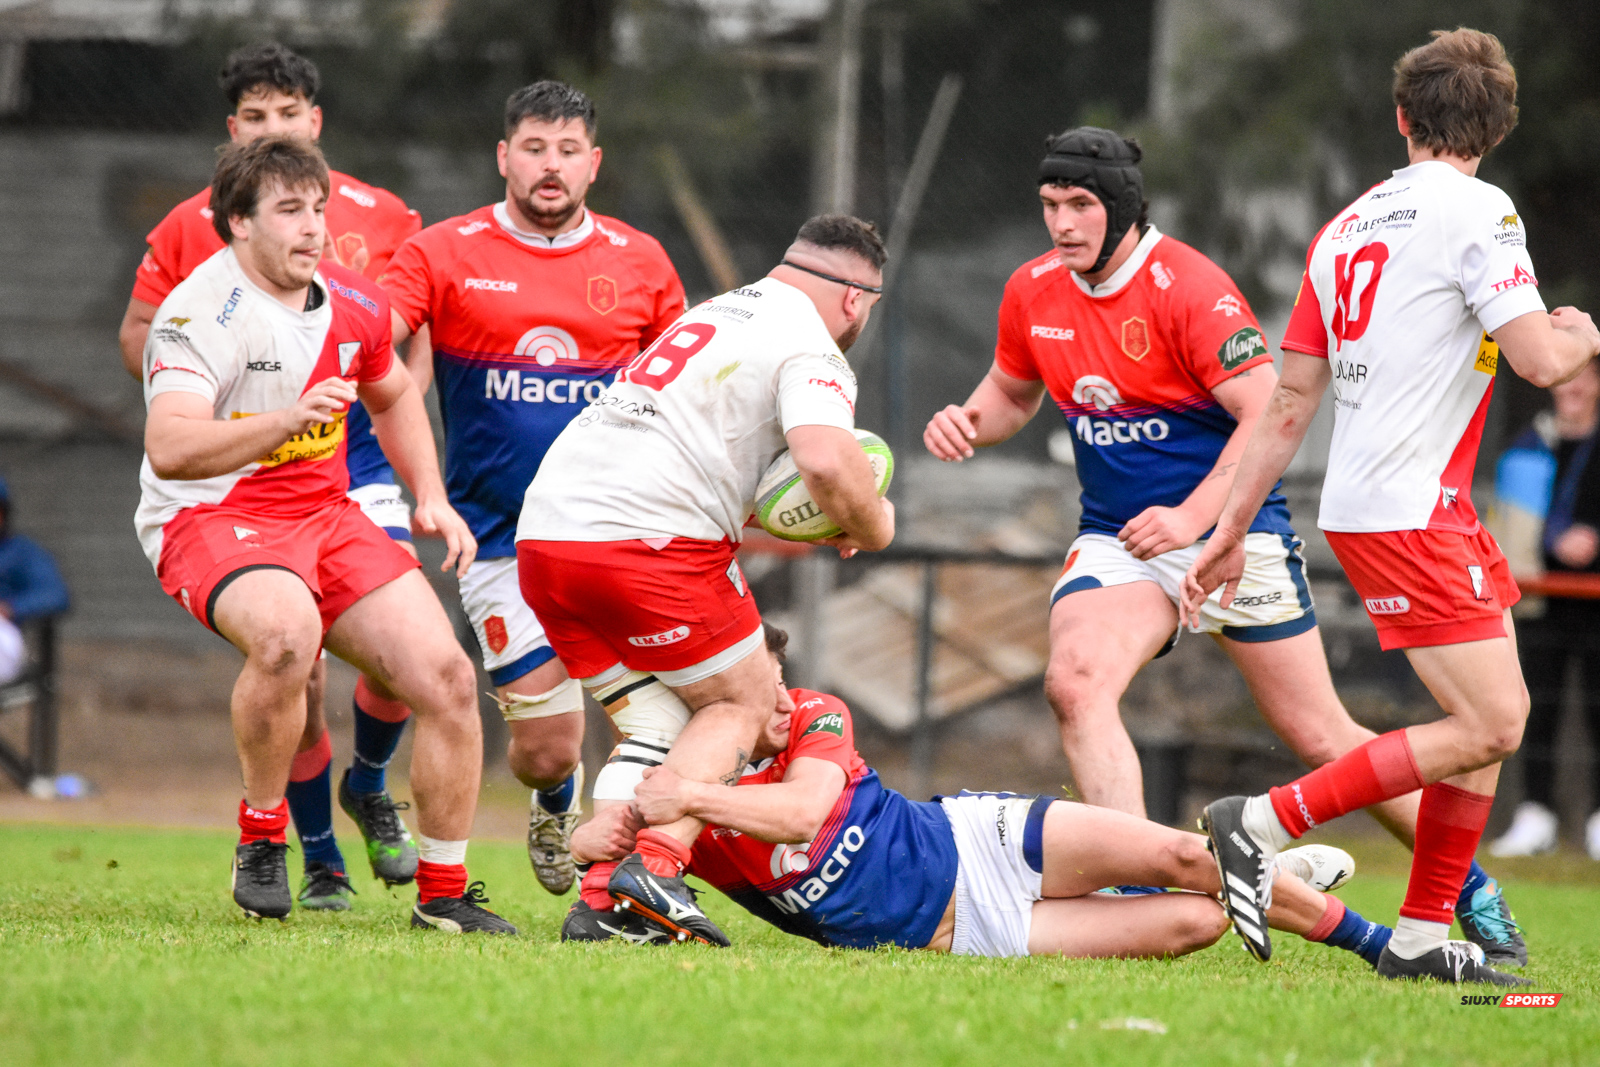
[[732, 777], [1222, 471]]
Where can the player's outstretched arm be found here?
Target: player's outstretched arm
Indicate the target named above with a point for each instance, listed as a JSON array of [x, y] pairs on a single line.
[[789, 812], [1549, 349], [841, 481], [185, 440], [1272, 445], [999, 407], [401, 423], [131, 336]]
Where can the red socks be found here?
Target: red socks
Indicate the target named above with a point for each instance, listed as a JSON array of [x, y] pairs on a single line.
[[1381, 769], [436, 880], [1330, 920], [310, 763], [269, 825], [662, 854], [593, 890], [379, 707], [1449, 825]]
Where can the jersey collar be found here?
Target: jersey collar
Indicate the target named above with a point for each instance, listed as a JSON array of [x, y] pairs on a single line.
[[1124, 274], [322, 313], [538, 240]]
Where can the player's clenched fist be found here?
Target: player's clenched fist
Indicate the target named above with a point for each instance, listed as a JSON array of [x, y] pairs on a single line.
[[610, 835], [317, 406], [1221, 563], [660, 797], [950, 433]]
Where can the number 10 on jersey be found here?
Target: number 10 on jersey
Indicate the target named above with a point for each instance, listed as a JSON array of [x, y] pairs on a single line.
[[657, 366]]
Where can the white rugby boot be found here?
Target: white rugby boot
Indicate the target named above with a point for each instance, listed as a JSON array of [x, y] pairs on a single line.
[[1533, 831], [1322, 867]]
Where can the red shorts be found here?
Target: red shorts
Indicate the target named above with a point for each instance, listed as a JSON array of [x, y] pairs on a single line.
[[1429, 587], [676, 612], [338, 552]]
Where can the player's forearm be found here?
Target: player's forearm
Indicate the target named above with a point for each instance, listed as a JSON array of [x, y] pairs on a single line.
[[841, 481], [131, 336], [782, 813], [406, 438], [1267, 454], [1208, 498], [186, 449]]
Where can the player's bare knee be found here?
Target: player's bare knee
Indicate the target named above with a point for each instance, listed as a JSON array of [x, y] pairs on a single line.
[[1185, 857], [1204, 924], [542, 762], [1075, 691], [286, 651]]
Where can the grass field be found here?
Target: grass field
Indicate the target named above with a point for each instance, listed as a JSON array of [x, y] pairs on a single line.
[[121, 946]]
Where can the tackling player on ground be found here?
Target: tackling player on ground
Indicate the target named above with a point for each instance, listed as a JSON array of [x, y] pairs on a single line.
[[533, 304], [273, 91], [1411, 295], [249, 372], [627, 539], [810, 840], [1159, 367]]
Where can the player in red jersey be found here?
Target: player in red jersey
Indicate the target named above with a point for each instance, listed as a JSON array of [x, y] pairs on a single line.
[[272, 91], [1402, 294], [534, 303], [248, 378]]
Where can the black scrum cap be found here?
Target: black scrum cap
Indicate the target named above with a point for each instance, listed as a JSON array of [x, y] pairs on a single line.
[[1106, 164]]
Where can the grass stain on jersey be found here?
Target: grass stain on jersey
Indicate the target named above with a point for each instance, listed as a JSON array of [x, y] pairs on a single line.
[[723, 374]]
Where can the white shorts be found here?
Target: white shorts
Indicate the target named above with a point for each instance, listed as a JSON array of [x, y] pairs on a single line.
[[508, 631], [1273, 601], [999, 872], [383, 504]]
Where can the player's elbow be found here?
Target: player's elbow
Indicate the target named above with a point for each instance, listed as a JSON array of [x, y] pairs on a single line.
[[168, 464]]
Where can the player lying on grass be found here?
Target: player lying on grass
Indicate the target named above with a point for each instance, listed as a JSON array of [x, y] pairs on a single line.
[[812, 842]]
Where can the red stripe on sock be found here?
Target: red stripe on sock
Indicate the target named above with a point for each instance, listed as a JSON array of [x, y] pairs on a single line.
[[662, 855], [436, 880], [1330, 919], [1450, 823], [593, 891], [378, 707], [311, 762], [1381, 769], [269, 825]]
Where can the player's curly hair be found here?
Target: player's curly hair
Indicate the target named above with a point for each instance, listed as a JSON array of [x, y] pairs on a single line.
[[550, 101], [1458, 92], [268, 65], [777, 641], [847, 234], [243, 171]]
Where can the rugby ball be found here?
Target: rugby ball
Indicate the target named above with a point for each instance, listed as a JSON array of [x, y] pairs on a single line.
[[784, 507]]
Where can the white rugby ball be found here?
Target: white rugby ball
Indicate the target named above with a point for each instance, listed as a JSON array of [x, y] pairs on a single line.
[[784, 507]]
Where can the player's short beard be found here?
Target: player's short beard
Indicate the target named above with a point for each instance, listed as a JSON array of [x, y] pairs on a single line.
[[851, 335], [548, 218]]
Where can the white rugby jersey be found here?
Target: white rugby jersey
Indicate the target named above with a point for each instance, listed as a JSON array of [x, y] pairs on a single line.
[[1401, 291], [675, 446], [220, 337]]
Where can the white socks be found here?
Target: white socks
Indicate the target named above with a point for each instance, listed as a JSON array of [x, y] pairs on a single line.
[[1413, 937], [448, 853], [1261, 822]]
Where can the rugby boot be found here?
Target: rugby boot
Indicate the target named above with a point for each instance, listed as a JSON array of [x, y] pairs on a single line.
[[1452, 961], [1488, 924], [1322, 867], [550, 839], [460, 915], [324, 888], [584, 923], [1246, 869], [668, 901], [261, 879], [390, 850]]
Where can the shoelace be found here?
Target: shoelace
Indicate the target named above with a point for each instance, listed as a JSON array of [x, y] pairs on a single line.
[[475, 895], [379, 809], [326, 881], [263, 861], [1457, 954], [1497, 925]]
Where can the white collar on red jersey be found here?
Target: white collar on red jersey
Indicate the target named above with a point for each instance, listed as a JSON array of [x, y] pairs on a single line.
[[1124, 274], [538, 240]]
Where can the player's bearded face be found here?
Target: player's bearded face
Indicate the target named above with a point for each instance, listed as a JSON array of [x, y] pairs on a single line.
[[284, 237], [548, 168], [1077, 223]]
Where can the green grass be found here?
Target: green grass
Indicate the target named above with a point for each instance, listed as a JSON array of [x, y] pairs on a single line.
[[122, 946]]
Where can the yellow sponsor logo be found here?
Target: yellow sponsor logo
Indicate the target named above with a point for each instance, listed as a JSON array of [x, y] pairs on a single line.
[[1488, 359], [316, 444], [1508, 221], [175, 321]]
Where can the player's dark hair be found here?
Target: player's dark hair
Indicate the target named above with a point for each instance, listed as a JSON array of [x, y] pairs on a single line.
[[1458, 92], [268, 65], [243, 171], [847, 234], [549, 101], [777, 641]]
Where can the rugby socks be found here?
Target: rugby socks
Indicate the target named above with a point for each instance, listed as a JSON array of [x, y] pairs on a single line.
[[1450, 823], [1343, 927], [256, 825], [559, 799], [379, 724], [592, 890], [1413, 937], [310, 799], [662, 854], [1381, 769], [441, 868], [1477, 878]]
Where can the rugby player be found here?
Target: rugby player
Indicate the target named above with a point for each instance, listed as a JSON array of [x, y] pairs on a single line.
[[249, 372], [272, 92], [627, 539], [533, 303], [1159, 367], [1411, 295], [811, 841]]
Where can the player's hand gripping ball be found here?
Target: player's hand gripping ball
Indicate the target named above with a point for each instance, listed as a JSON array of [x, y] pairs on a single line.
[[784, 507]]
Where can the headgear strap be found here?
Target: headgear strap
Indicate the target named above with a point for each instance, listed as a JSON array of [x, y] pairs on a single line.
[[1106, 164]]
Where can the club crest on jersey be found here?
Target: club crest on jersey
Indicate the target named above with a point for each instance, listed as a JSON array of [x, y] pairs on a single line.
[[1093, 389], [348, 351], [546, 345], [351, 250], [1475, 573], [736, 576], [495, 634], [244, 533], [1136, 338], [1447, 496], [1228, 304], [602, 294]]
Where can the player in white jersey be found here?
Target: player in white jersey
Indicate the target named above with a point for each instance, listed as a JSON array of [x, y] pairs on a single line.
[[249, 372], [628, 532], [1410, 297]]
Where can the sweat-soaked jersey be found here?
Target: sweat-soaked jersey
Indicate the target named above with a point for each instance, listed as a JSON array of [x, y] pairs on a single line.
[[881, 870]]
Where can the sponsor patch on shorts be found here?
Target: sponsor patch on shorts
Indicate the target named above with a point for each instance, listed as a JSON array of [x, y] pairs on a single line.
[[665, 637], [1387, 605]]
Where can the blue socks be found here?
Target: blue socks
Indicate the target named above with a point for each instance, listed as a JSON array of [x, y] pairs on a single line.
[[376, 740], [1355, 934], [1477, 878], [559, 799], [311, 807]]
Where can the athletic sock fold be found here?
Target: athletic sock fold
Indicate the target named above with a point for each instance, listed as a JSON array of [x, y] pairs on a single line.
[[269, 825], [559, 799], [662, 854], [1477, 878], [435, 880], [1450, 822], [592, 890], [310, 799], [1381, 769], [1343, 927], [379, 724]]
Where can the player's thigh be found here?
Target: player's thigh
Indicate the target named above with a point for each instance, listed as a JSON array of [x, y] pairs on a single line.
[[750, 682], [1099, 638], [269, 614], [1101, 926], [1086, 848], [1293, 689], [399, 633], [1478, 682]]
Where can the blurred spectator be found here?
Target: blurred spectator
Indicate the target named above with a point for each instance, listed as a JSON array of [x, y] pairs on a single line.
[[30, 588], [1547, 514]]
